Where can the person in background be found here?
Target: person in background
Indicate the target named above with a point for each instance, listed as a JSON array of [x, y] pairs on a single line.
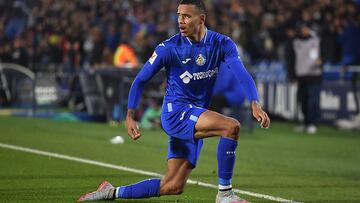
[[349, 39], [151, 117], [308, 76], [289, 54], [19, 53], [125, 57]]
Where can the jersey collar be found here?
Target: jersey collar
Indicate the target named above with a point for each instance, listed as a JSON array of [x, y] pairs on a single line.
[[203, 40]]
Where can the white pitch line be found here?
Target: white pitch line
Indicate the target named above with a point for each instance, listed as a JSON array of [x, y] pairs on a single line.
[[133, 170]]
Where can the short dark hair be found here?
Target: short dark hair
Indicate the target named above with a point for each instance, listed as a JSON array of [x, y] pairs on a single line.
[[198, 3]]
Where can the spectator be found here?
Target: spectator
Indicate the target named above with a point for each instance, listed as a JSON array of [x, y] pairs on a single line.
[[19, 53], [151, 117], [17, 22], [112, 37], [125, 57], [349, 38], [308, 73], [94, 47], [289, 54], [5, 52]]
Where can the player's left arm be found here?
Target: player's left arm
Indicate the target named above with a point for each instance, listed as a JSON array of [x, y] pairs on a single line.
[[151, 67], [233, 61]]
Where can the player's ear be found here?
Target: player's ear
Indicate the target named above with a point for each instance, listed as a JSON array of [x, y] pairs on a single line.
[[202, 18]]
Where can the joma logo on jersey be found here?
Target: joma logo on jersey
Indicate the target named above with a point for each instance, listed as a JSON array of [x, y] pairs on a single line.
[[186, 76]]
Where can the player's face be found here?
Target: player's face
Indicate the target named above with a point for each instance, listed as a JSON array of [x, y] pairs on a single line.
[[190, 20]]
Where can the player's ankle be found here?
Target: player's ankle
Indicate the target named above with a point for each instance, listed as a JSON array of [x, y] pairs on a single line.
[[223, 188]]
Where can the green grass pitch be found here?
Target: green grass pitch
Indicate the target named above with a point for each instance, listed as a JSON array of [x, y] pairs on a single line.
[[277, 162]]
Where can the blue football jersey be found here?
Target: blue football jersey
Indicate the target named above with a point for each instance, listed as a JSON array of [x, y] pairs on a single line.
[[191, 69]]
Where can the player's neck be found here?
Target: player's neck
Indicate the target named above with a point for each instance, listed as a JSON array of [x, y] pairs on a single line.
[[198, 36]]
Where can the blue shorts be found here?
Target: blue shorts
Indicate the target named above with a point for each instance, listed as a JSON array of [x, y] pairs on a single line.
[[178, 121]]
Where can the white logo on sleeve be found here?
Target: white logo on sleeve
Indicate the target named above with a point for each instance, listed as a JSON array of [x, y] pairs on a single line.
[[186, 77], [186, 60], [153, 58]]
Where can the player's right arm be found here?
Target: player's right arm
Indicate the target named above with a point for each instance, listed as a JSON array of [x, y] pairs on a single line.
[[158, 60], [233, 61]]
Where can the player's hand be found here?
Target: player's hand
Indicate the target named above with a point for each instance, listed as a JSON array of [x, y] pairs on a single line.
[[260, 115], [132, 126]]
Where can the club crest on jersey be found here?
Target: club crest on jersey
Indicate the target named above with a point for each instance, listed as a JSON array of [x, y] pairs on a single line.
[[200, 60]]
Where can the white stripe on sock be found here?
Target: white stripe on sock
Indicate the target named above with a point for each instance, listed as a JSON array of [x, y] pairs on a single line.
[[117, 192], [224, 187]]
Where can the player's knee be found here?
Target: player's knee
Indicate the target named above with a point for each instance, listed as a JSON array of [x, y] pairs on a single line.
[[172, 189], [232, 129]]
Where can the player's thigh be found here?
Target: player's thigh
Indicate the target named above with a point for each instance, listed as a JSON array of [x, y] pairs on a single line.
[[211, 123]]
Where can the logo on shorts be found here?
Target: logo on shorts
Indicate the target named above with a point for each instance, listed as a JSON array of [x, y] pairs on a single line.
[[200, 60], [186, 77]]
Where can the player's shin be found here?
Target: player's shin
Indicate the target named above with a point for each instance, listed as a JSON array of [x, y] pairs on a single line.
[[144, 189], [226, 156]]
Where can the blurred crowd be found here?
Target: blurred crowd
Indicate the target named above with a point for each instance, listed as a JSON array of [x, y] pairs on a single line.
[[70, 35]]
